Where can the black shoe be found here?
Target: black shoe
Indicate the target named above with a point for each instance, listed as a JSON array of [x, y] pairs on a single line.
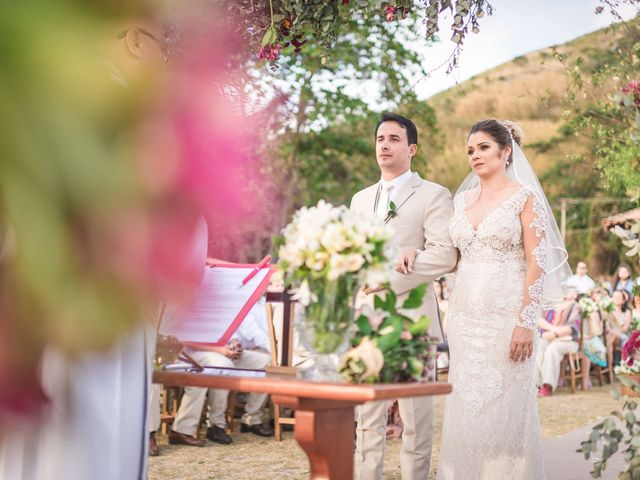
[[260, 430], [218, 435]]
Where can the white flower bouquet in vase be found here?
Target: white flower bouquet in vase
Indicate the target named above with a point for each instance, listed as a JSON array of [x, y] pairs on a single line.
[[326, 253]]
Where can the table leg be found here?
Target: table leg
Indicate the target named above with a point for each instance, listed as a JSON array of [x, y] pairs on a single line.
[[325, 431]]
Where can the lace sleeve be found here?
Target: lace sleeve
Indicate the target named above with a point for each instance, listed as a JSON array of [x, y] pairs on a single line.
[[534, 226]]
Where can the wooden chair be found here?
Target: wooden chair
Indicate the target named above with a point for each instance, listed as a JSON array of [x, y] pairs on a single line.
[[170, 403], [575, 363], [229, 412], [278, 419]]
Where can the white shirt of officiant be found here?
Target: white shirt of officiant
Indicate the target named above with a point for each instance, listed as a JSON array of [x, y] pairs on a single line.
[[388, 191], [253, 331]]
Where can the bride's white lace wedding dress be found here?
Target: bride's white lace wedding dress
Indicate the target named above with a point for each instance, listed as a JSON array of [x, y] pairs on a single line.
[[491, 428]]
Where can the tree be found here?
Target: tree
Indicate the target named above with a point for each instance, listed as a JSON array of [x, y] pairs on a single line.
[[603, 105], [610, 112], [315, 52]]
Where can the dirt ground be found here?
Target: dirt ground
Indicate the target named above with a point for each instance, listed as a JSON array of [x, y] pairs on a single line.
[[251, 457]]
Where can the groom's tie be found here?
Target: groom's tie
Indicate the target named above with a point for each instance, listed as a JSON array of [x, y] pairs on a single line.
[[385, 200]]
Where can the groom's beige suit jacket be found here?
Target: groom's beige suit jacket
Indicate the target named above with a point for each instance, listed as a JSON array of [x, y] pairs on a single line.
[[423, 212]]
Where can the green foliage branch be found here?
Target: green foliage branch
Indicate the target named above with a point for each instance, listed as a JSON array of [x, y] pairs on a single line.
[[621, 428], [603, 102], [273, 24]]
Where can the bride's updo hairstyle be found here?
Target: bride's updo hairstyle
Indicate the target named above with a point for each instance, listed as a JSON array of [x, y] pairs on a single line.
[[501, 132]]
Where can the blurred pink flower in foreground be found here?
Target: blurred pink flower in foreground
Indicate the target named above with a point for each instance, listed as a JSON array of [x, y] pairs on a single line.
[[192, 154]]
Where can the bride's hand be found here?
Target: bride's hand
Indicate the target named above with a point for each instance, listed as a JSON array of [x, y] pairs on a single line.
[[405, 262], [521, 346]]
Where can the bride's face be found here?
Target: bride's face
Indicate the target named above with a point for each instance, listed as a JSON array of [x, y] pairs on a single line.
[[486, 157]]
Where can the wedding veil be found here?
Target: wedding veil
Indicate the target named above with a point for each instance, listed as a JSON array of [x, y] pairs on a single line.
[[557, 270]]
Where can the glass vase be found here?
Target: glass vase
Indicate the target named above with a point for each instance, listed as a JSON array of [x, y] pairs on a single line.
[[327, 326]]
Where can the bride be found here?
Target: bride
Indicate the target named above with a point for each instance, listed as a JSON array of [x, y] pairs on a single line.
[[512, 264]]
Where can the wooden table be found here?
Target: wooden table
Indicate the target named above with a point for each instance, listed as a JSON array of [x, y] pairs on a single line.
[[324, 411]]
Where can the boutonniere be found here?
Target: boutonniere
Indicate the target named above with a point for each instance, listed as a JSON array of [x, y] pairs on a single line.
[[392, 212]]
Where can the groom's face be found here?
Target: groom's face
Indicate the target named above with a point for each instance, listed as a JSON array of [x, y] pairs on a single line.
[[393, 151]]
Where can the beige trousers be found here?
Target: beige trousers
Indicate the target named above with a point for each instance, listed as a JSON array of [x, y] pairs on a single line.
[[188, 415], [417, 438], [154, 408], [548, 359]]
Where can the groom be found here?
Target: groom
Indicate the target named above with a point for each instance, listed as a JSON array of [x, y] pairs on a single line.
[[420, 220]]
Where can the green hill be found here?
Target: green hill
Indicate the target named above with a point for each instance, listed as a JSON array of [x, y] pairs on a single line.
[[529, 90]]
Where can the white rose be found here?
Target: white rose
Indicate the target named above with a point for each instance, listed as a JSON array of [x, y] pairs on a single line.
[[354, 262], [333, 238], [369, 354], [293, 257], [317, 261], [337, 266]]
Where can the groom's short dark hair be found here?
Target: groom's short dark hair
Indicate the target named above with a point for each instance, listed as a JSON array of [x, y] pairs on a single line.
[[408, 125]]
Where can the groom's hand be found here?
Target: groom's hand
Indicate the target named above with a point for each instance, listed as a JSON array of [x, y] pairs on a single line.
[[405, 262], [521, 346]]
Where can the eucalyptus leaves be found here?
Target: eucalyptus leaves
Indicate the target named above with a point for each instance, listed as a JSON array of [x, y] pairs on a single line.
[[621, 429], [630, 238]]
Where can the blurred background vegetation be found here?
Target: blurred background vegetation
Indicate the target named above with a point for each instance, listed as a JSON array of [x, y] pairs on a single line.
[[327, 150]]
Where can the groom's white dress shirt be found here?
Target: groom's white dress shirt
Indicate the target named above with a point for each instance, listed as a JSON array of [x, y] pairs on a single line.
[[389, 191]]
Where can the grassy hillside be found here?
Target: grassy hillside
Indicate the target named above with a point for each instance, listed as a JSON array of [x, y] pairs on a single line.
[[529, 90]]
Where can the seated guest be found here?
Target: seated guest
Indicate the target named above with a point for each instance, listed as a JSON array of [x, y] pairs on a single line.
[[602, 282], [594, 329], [188, 416], [559, 338], [619, 321], [593, 345], [622, 279], [580, 281], [253, 332]]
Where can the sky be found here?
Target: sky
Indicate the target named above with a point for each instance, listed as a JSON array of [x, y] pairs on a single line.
[[515, 28]]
